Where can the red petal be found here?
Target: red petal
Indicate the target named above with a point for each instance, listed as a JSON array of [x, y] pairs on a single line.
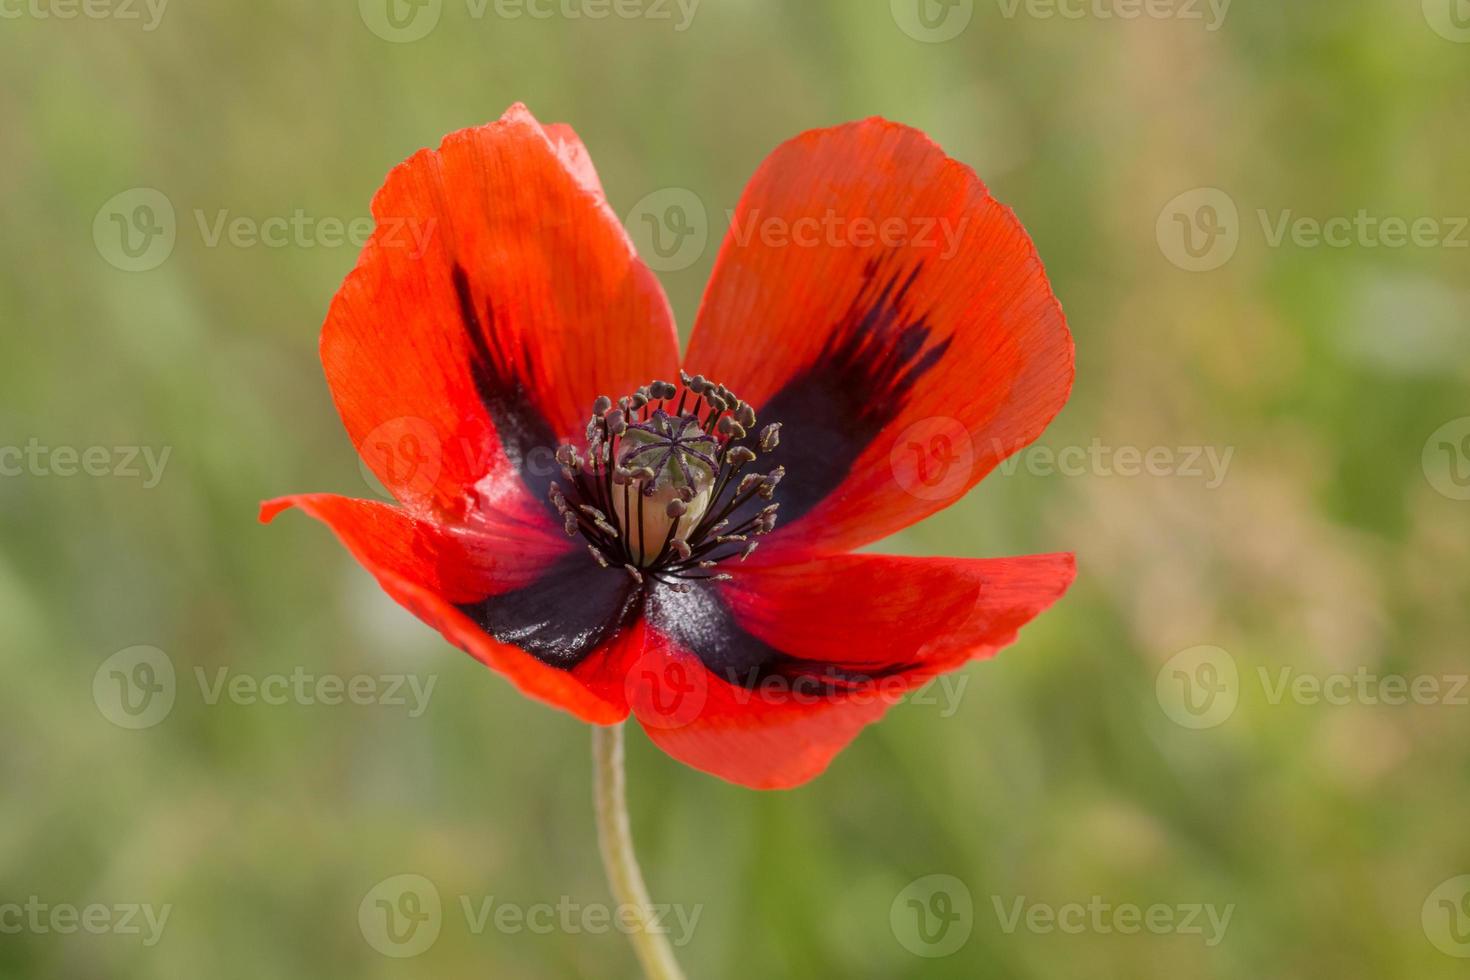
[[836, 641], [574, 156], [878, 302], [498, 297], [432, 570]]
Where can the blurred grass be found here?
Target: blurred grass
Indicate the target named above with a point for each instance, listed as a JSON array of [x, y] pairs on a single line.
[[1059, 777]]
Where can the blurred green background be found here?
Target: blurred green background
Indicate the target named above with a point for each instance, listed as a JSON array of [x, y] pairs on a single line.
[[1103, 761]]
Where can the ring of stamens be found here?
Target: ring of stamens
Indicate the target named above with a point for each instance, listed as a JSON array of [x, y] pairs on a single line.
[[661, 482]]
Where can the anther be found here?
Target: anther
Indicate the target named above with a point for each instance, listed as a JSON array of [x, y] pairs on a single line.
[[683, 457]]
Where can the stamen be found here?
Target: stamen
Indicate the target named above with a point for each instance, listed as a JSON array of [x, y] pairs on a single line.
[[676, 452]]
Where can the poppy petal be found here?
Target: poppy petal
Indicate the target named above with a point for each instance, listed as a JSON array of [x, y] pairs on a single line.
[[505, 575], [764, 680], [873, 298], [574, 156], [496, 299]]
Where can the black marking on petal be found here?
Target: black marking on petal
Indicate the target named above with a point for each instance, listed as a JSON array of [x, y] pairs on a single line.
[[830, 413], [504, 390], [699, 621], [571, 610]]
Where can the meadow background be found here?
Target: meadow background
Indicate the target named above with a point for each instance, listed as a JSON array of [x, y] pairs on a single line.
[[1105, 760]]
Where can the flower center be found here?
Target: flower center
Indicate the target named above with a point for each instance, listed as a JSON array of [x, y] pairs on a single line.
[[660, 491]]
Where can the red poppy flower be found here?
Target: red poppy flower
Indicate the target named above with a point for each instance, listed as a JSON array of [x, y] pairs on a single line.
[[583, 516]]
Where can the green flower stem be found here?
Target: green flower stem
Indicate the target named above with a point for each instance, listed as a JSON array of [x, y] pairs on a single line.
[[610, 796]]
